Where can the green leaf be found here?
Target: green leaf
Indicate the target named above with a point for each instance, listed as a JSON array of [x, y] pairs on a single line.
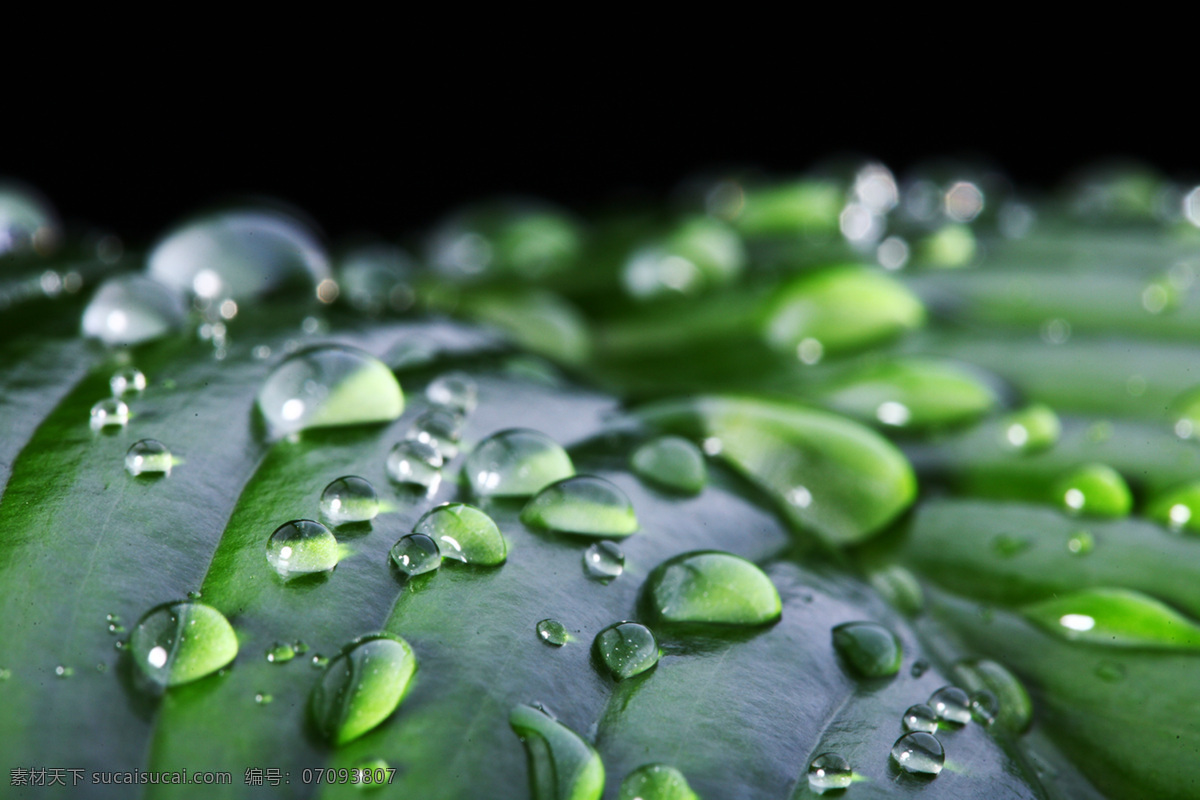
[[1115, 618]]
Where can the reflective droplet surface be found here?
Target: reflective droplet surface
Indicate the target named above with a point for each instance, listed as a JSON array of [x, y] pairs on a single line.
[[148, 457], [416, 554], [417, 462], [349, 499], [1115, 618], [454, 391], [376, 278], [127, 381], [180, 642], [109, 413], [920, 717], [130, 309], [552, 632], [1081, 543], [1032, 429], [26, 221], [1094, 490], [1177, 509], [919, 753], [440, 428], [561, 764], [626, 649], [584, 505], [1013, 710], [829, 771], [656, 782], [281, 653], [671, 462], [899, 587], [517, 462], [361, 686], [698, 254], [464, 533], [984, 707], [868, 648], [951, 704], [301, 547], [603, 561], [520, 237], [711, 587]]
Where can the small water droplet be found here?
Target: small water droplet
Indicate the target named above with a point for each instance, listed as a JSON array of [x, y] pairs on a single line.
[[603, 561], [362, 686], [553, 632], [262, 698], [302, 547], [1178, 509], [919, 668], [300, 647], [464, 533], [370, 774], [920, 717], [584, 505], [985, 707], [63, 671], [318, 661], [711, 587], [109, 413], [416, 554], [416, 462], [440, 428], [179, 642], [656, 782], [194, 595], [870, 649], [988, 681], [919, 752], [671, 462], [1031, 430], [1096, 490], [349, 499], [626, 649], [281, 653], [130, 309], [517, 462], [1056, 331], [148, 457], [829, 771], [1081, 543], [951, 704], [127, 381], [455, 391]]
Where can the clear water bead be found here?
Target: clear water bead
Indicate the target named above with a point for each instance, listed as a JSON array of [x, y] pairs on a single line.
[[127, 381], [148, 457], [464, 533], [454, 391], [361, 686], [626, 649], [415, 462], [131, 309], [829, 771], [416, 554], [302, 547], [109, 413], [920, 718], [951, 704], [180, 642], [552, 632], [517, 462], [919, 753], [439, 427], [603, 561], [349, 499]]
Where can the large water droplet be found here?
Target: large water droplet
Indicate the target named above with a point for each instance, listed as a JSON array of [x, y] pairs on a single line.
[[671, 462], [626, 649], [109, 413], [829, 771], [241, 254], [362, 686], [516, 463], [127, 381], [711, 587], [951, 704], [603, 561], [869, 648], [148, 457], [416, 554], [454, 391], [418, 462], [562, 766], [329, 386], [440, 428], [1116, 618], [26, 221], [920, 753], [1014, 709], [656, 782], [129, 309], [1095, 490], [179, 642], [302, 547], [920, 717], [583, 505], [553, 632], [464, 533], [1032, 429], [1177, 509], [349, 499]]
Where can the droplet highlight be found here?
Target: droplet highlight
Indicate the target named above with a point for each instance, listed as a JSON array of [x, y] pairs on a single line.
[[148, 457], [126, 382], [1094, 490], [464, 533], [626, 649], [951, 704], [130, 309], [180, 642], [656, 782], [921, 718], [919, 753], [603, 561], [349, 499], [415, 462], [416, 554], [109, 413], [552, 632], [301, 547], [829, 771], [454, 391]]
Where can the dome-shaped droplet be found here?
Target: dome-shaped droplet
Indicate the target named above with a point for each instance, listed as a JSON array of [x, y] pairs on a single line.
[[1177, 509], [416, 554], [561, 764], [671, 462], [626, 649], [985, 708], [1081, 543], [712, 587], [603, 561], [417, 462], [439, 427], [829, 771], [899, 587], [129, 309], [656, 782], [176, 643], [281, 653], [109, 413], [1032, 429], [464, 533], [148, 457], [699, 254], [376, 278], [349, 499], [1014, 708], [1095, 490], [454, 391], [920, 718], [241, 254], [302, 547], [26, 221], [127, 381], [523, 237], [919, 753], [329, 386], [553, 632], [870, 649], [361, 686], [583, 505], [951, 704], [516, 463]]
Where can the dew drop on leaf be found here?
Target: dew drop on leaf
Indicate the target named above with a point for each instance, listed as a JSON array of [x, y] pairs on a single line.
[[626, 649], [416, 554], [552, 632], [148, 457], [109, 413], [131, 309], [671, 462], [919, 752], [281, 653], [561, 764], [180, 642], [656, 782], [829, 771], [1031, 430], [415, 462], [464, 533], [127, 381], [709, 586], [440, 428], [1094, 490], [868, 648], [584, 505], [302, 547], [361, 686], [603, 561], [985, 707], [517, 462], [920, 717], [454, 391], [951, 704], [1177, 509], [349, 499]]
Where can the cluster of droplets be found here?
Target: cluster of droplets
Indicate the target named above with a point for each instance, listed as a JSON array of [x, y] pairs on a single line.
[[433, 439]]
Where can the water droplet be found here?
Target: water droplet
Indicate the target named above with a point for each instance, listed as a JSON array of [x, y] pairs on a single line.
[[870, 649], [377, 278], [899, 587], [416, 554], [561, 764], [951, 704], [1095, 490], [656, 782], [1116, 618], [130, 309], [584, 505], [302, 547], [416, 462], [439, 428], [362, 686], [1081, 543], [319, 661], [148, 457], [829, 771], [5, 674], [194, 595], [517, 462], [63, 671], [603, 561], [1177, 509], [920, 718], [245, 253], [26, 221], [919, 752], [711, 587], [919, 668], [984, 707], [1032, 429], [370, 774], [262, 698], [127, 381], [626, 649], [518, 236], [698, 254], [300, 647], [671, 462], [1013, 708], [1110, 672], [1056, 331], [454, 391], [180, 642], [1006, 545], [281, 653], [349, 499], [553, 632], [464, 533], [329, 386], [109, 413]]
